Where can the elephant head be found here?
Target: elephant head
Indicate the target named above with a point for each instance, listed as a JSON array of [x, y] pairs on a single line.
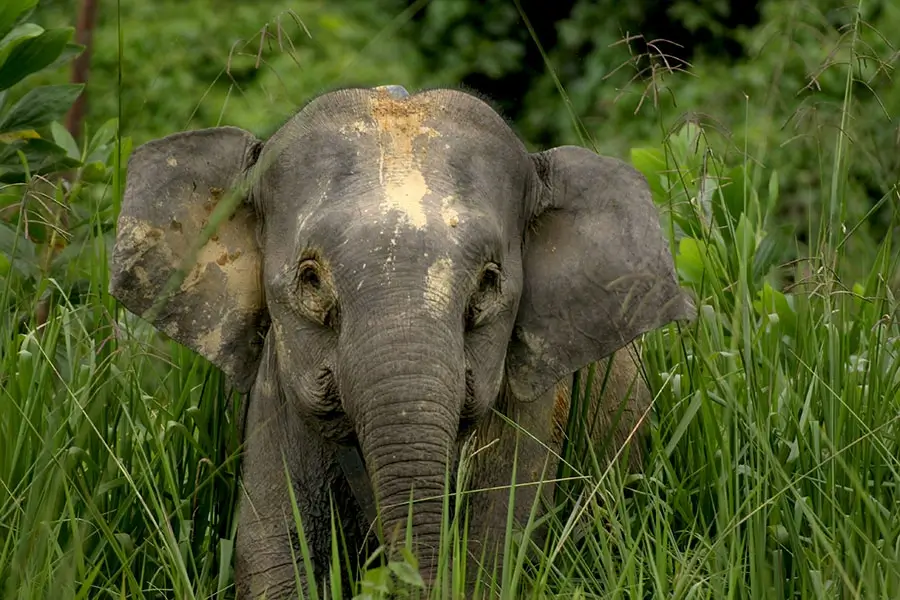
[[404, 258]]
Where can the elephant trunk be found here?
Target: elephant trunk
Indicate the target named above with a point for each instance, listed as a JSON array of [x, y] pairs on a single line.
[[404, 388]]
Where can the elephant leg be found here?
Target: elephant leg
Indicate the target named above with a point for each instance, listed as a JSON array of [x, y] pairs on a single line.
[[279, 443], [530, 439], [617, 411]]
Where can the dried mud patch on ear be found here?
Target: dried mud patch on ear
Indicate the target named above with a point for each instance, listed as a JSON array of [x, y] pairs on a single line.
[[227, 268], [235, 272], [240, 270], [140, 257], [220, 294]]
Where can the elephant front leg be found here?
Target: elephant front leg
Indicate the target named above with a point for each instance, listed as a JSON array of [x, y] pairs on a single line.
[[531, 441], [280, 445]]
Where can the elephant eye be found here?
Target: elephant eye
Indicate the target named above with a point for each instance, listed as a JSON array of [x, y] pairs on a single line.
[[483, 300], [314, 293], [490, 279], [308, 274]]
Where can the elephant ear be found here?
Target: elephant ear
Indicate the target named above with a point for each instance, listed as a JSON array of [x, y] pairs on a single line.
[[598, 271], [207, 296]]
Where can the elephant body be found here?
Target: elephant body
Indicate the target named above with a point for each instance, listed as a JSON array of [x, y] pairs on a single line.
[[318, 479], [391, 274]]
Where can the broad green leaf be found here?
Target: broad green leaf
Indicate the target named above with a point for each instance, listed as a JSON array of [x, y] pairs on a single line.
[[69, 52], [774, 301], [40, 107], [95, 172], [771, 250], [377, 580], [745, 238], [406, 573], [64, 140], [21, 31], [19, 251], [729, 203], [690, 264], [9, 196], [42, 157], [33, 54], [688, 146], [651, 163], [18, 36], [13, 12], [15, 136], [103, 136]]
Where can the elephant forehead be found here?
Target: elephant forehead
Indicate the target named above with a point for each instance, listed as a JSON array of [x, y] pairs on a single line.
[[412, 209], [430, 165], [365, 231], [399, 139]]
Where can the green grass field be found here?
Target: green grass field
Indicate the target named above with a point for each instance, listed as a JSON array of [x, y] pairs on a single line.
[[774, 453]]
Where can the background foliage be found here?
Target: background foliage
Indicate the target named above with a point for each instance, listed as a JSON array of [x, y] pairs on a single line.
[[767, 130], [764, 74]]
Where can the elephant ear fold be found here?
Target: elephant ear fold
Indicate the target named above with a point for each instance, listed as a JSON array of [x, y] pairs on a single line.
[[598, 271], [207, 296]]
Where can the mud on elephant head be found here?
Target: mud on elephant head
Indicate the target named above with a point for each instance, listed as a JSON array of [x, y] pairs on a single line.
[[402, 259]]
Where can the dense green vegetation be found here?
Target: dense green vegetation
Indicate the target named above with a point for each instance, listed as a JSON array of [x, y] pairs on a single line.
[[768, 133]]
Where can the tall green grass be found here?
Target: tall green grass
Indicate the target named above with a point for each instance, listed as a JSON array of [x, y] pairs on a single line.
[[773, 460], [117, 465]]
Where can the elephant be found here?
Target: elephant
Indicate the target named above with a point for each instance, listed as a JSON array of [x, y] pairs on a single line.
[[391, 274]]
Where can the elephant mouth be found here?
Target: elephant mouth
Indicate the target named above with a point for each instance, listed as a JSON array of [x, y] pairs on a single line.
[[470, 411], [327, 409], [354, 469]]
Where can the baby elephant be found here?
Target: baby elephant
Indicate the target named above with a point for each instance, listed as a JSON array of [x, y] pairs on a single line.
[[397, 273]]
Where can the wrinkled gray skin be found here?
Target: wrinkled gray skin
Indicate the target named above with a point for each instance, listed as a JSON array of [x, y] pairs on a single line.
[[399, 267]]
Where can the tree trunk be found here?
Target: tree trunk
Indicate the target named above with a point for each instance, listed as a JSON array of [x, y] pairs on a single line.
[[84, 35]]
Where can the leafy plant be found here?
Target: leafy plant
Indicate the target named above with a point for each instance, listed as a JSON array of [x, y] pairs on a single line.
[[25, 49], [45, 219]]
